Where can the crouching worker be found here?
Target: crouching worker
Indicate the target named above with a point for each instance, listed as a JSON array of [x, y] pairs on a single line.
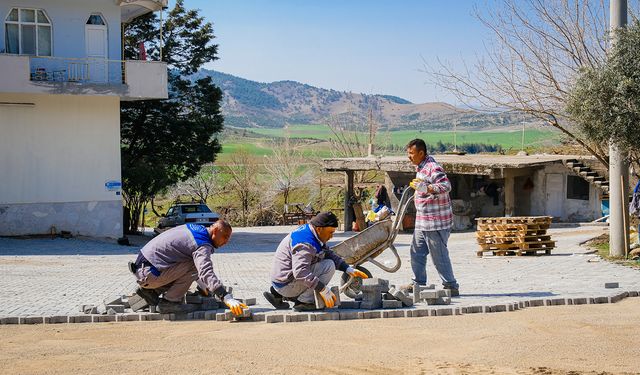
[[168, 265], [303, 264]]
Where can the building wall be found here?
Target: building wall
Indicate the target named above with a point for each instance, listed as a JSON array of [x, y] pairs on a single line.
[[57, 155], [68, 19], [573, 210]]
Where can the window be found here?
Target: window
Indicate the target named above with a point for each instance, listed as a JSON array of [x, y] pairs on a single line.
[[95, 19], [28, 32], [577, 188]]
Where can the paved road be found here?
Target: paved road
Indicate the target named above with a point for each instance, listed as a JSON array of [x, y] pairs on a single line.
[[41, 277]]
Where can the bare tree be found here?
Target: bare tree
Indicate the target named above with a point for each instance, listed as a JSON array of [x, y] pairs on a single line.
[[283, 166], [243, 172], [201, 186], [538, 49]]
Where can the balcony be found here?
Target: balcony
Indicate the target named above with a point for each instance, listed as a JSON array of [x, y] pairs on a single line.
[[130, 80]]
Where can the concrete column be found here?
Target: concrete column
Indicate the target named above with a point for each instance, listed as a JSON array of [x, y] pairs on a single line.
[[618, 164], [509, 195], [348, 216]]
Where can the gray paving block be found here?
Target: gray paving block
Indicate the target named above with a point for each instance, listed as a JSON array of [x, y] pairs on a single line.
[[633, 293], [57, 319], [168, 316], [115, 300], [223, 316], [209, 303], [369, 314], [210, 314], [275, 318], [199, 315], [81, 319], [259, 317], [498, 308], [568, 301], [388, 297], [457, 311], [439, 301], [554, 301], [393, 304], [444, 292], [393, 314], [444, 311], [31, 320], [536, 302], [137, 303], [407, 301], [370, 305], [618, 297], [611, 285], [336, 292], [87, 309], [348, 315], [416, 296], [117, 308], [321, 316], [521, 304], [473, 310], [151, 317], [431, 294], [296, 317], [579, 301], [104, 318], [350, 305], [10, 320], [131, 317], [248, 301], [417, 313], [601, 300]]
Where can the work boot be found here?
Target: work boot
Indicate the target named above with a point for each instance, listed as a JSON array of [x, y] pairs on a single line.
[[301, 306], [169, 307], [455, 292], [407, 288], [150, 295], [275, 299]]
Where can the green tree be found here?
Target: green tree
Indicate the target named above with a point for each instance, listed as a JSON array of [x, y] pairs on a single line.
[[605, 100], [166, 141]]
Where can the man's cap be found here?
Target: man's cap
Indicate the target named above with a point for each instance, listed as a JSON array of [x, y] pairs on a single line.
[[324, 219]]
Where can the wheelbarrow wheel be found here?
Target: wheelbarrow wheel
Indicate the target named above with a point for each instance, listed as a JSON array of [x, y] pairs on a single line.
[[354, 288]]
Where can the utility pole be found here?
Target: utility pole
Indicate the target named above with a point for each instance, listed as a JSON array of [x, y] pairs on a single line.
[[618, 164]]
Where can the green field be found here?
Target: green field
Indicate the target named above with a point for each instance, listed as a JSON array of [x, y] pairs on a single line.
[[507, 139]]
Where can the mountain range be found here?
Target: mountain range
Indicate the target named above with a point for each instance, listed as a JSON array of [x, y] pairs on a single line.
[[252, 104]]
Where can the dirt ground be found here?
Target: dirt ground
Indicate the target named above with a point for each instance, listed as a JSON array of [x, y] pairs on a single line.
[[591, 339]]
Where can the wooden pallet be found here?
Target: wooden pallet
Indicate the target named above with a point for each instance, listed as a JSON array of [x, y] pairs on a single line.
[[519, 245], [515, 252], [512, 239], [515, 220], [511, 227]]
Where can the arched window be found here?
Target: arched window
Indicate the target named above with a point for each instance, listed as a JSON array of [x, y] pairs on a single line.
[[95, 19], [28, 32]]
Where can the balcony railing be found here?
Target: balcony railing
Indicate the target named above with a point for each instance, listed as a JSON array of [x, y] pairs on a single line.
[[83, 70]]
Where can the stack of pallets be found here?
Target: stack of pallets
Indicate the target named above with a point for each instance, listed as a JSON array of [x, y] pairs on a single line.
[[514, 235]]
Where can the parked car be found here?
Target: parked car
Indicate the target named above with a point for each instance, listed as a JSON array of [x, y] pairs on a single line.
[[182, 213]]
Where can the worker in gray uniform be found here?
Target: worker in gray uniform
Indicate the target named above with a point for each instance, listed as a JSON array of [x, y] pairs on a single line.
[[172, 261], [304, 264]]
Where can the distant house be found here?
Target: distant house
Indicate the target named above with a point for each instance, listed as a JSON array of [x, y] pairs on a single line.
[[568, 188], [62, 78]]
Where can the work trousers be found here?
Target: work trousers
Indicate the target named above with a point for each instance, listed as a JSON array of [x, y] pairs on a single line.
[[432, 242], [173, 281], [323, 270]]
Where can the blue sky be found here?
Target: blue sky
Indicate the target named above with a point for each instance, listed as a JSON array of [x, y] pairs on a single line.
[[373, 47]]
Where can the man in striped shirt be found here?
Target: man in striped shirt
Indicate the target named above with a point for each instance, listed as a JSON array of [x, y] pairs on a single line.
[[434, 218]]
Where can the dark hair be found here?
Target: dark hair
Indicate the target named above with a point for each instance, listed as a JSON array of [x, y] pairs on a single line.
[[223, 225], [418, 143]]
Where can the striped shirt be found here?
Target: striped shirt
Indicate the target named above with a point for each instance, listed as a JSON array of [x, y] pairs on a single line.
[[433, 210]]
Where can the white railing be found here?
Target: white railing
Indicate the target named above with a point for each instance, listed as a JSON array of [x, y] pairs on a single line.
[[83, 70]]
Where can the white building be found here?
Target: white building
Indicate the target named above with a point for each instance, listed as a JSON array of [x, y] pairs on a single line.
[[62, 78]]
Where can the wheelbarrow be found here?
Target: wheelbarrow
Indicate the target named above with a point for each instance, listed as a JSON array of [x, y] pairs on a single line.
[[365, 246]]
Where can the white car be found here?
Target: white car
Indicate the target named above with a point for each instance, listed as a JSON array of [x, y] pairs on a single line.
[[182, 213]]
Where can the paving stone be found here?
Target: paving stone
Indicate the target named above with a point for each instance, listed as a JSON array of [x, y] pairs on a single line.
[[81, 319], [618, 297], [275, 318], [117, 300], [536, 302], [429, 294], [117, 308], [388, 297], [350, 305], [472, 310], [601, 300], [152, 309], [210, 314], [371, 305], [369, 314], [293, 318], [104, 318], [375, 282], [151, 317], [394, 304], [498, 308], [633, 293], [31, 320], [137, 303], [579, 301], [224, 316], [611, 285], [439, 301], [417, 313], [131, 317], [10, 320], [199, 315], [457, 311], [521, 304], [407, 301], [57, 319], [321, 316], [554, 301], [87, 309], [259, 317], [444, 311], [210, 304], [248, 301], [393, 314], [568, 301], [444, 292], [101, 309], [348, 315], [168, 316]]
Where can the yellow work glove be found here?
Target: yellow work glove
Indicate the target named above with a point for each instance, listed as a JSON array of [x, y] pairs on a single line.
[[234, 305], [328, 297], [371, 216], [414, 183], [356, 273]]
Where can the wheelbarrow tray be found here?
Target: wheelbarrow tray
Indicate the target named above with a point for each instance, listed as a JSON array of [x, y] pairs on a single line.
[[366, 244]]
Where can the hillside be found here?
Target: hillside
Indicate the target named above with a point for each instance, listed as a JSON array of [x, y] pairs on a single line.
[[270, 105]]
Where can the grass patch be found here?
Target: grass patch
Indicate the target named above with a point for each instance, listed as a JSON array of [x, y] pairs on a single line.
[[601, 245]]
